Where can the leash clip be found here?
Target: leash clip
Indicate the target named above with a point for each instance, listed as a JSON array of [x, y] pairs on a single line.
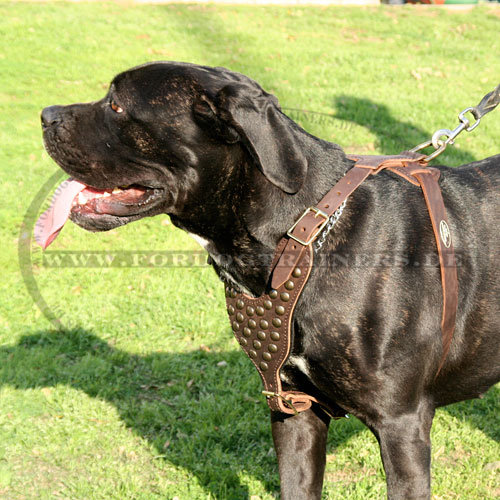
[[441, 138]]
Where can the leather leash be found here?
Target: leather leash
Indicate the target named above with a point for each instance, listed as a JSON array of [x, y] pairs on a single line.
[[262, 325]]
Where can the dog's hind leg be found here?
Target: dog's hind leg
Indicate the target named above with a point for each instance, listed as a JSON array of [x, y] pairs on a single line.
[[406, 454], [300, 443]]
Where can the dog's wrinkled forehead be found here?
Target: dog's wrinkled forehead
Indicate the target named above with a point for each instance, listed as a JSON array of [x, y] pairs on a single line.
[[171, 83], [182, 106]]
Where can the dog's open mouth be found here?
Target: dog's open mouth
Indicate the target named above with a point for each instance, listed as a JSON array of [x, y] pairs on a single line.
[[120, 202], [95, 209]]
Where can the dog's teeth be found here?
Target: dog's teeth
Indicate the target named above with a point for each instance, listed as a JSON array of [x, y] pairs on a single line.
[[106, 194], [81, 199], [117, 190]]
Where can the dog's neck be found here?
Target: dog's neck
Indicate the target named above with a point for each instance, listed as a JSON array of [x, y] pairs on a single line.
[[242, 249]]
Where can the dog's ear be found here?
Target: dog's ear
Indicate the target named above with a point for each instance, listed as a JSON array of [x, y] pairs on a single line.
[[205, 110], [243, 111]]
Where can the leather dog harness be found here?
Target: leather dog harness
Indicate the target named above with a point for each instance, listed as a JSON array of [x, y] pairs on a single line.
[[263, 325]]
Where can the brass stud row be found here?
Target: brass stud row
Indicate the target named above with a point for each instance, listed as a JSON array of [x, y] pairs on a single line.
[[272, 348], [285, 297], [252, 324]]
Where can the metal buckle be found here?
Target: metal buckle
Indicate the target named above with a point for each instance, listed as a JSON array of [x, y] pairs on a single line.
[[270, 394], [317, 213]]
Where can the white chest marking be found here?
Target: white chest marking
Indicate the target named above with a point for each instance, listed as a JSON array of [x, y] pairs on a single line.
[[200, 240], [211, 249], [300, 363]]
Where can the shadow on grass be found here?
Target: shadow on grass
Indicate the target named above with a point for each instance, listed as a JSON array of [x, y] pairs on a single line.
[[205, 405], [393, 135], [208, 412]]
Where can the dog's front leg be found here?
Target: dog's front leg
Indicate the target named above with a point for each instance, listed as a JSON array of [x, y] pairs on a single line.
[[406, 454], [300, 443]]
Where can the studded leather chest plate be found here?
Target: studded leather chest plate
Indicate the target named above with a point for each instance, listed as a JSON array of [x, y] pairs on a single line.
[[262, 326]]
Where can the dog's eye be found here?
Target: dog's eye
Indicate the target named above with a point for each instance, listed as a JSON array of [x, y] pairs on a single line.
[[115, 107]]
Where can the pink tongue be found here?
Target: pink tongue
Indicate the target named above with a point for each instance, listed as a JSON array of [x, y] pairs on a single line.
[[52, 220]]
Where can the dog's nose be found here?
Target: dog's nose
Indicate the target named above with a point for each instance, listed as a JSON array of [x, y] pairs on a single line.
[[51, 116]]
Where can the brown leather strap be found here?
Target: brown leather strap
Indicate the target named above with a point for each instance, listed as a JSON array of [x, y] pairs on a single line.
[[309, 225], [449, 280], [427, 178]]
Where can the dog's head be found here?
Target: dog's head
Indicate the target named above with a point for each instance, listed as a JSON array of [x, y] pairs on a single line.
[[167, 138]]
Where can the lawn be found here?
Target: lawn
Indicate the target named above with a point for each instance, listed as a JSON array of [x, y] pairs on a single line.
[[124, 381]]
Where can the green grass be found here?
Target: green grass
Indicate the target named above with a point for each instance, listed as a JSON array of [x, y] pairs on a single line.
[[143, 393]]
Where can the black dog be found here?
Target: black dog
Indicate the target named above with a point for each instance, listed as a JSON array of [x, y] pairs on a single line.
[[212, 149]]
